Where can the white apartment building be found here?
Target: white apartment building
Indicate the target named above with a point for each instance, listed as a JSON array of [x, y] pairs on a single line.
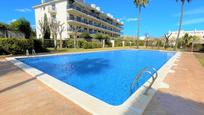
[[199, 33], [77, 14]]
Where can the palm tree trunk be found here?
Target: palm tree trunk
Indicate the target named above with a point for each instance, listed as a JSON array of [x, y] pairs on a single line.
[[138, 30], [180, 25]]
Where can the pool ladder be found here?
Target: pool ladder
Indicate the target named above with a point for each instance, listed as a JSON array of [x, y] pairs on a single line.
[[33, 52], [135, 81]]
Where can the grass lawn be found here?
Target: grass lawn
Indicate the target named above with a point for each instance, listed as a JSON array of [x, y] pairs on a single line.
[[67, 50], [70, 50], [200, 57]]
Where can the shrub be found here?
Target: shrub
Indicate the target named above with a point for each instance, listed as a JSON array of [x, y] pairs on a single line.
[[49, 43], [70, 43], [38, 46], [81, 43], [2, 51], [85, 35], [118, 42], [91, 45], [96, 45], [141, 42], [15, 46]]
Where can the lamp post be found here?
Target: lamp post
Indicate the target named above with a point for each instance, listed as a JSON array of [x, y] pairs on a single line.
[[146, 39]]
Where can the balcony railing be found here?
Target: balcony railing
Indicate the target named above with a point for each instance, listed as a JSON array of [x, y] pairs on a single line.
[[93, 15], [92, 24], [81, 31], [52, 10]]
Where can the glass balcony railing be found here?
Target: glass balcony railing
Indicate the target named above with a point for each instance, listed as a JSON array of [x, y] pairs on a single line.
[[93, 15], [92, 24], [82, 30]]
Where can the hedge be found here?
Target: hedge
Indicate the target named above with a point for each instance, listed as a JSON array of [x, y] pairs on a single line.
[[38, 46], [83, 44], [91, 45], [15, 46], [19, 46]]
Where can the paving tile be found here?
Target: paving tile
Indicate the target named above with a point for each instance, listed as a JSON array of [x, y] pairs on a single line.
[[22, 94], [186, 93]]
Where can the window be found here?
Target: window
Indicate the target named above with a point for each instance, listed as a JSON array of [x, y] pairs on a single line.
[[53, 6], [78, 18], [71, 17], [85, 21], [90, 22]]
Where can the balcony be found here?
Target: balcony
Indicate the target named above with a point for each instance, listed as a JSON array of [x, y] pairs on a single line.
[[52, 10], [92, 25], [93, 15]]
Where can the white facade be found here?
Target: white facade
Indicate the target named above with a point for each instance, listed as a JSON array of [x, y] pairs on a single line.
[[199, 33], [88, 18]]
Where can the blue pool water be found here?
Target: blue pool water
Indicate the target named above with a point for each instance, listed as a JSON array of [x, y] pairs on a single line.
[[105, 75]]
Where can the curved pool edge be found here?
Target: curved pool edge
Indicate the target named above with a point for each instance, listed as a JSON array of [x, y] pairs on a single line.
[[135, 104]]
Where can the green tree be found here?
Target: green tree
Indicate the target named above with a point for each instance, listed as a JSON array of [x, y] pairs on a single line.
[[23, 26], [85, 35], [4, 26], [43, 26], [139, 4], [98, 36], [46, 28], [181, 20]]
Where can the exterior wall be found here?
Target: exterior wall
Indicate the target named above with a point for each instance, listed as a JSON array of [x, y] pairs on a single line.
[[38, 17], [11, 34], [59, 12], [62, 14]]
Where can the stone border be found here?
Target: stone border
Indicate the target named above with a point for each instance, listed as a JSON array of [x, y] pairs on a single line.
[[135, 104]]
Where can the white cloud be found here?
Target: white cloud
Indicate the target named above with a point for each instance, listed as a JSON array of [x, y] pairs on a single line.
[[23, 10], [129, 19], [132, 19], [195, 11], [13, 20], [194, 21]]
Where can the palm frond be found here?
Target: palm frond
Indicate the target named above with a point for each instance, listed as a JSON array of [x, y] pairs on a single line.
[[184, 0], [141, 3]]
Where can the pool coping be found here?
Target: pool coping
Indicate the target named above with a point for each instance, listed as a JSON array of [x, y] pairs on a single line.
[[135, 104]]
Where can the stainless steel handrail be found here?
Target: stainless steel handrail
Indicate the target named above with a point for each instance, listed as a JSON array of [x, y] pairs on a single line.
[[33, 52], [139, 75]]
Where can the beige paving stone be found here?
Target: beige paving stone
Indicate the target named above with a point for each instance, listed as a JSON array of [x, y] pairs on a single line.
[[22, 94], [186, 93]]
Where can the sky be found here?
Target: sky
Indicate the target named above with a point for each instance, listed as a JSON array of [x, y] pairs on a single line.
[[159, 16]]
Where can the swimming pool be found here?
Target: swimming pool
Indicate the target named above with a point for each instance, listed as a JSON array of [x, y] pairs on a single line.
[[105, 75]]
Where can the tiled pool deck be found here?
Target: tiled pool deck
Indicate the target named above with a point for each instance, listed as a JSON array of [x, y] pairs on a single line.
[[185, 95], [22, 94]]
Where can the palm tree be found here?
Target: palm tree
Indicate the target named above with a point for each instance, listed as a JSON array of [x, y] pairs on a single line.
[[139, 4], [181, 20]]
